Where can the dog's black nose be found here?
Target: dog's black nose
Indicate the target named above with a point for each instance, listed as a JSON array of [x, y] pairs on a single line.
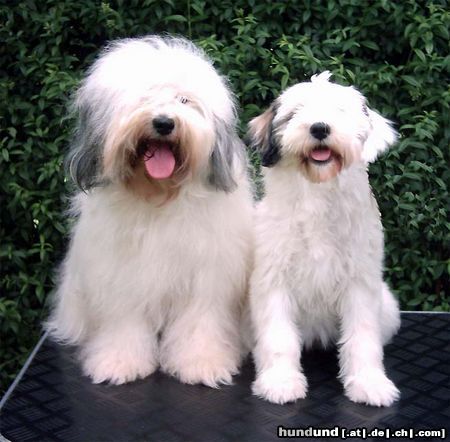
[[320, 130], [163, 125]]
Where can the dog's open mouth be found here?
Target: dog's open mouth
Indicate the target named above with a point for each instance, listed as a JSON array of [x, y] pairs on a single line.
[[321, 155], [159, 158]]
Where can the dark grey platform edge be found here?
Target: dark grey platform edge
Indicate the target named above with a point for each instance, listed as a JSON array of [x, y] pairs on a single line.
[[51, 401]]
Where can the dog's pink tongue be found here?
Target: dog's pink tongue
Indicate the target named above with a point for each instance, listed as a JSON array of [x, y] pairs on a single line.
[[159, 161], [322, 154]]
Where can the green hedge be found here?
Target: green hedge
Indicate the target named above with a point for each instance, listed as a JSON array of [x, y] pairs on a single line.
[[395, 52]]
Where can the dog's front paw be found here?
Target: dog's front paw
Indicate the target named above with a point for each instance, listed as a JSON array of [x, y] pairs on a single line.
[[371, 387], [211, 369], [117, 367], [209, 373], [280, 385]]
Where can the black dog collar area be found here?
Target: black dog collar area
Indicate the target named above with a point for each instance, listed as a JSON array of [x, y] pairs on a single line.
[[52, 401]]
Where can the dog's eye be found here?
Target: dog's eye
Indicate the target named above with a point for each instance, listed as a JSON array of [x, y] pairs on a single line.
[[183, 100]]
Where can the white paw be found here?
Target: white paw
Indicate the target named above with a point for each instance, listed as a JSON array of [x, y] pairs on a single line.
[[117, 367], [280, 385], [208, 373], [207, 369], [371, 387]]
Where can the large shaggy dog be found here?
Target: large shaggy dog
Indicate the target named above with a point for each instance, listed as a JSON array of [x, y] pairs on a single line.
[[319, 243], [158, 260]]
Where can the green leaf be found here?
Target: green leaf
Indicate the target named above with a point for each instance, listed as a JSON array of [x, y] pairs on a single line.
[[176, 18]]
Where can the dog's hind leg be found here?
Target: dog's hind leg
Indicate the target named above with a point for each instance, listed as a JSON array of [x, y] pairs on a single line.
[[389, 315], [67, 322]]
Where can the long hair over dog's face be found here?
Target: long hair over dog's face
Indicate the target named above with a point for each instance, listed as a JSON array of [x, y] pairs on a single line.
[[320, 128], [154, 114], [160, 144]]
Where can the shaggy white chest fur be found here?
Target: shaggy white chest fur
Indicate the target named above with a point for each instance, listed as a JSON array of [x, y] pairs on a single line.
[[159, 247], [309, 241]]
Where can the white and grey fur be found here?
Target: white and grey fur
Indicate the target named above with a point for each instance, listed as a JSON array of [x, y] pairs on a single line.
[[318, 277], [92, 109], [152, 280]]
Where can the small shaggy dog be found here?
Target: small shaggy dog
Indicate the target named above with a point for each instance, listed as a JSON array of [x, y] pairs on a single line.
[[159, 256], [319, 243]]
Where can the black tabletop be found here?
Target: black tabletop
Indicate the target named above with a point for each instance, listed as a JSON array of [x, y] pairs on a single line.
[[52, 401]]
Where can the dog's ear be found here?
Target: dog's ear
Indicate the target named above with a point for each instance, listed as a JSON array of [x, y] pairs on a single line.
[[227, 149], [381, 136], [261, 133], [84, 157]]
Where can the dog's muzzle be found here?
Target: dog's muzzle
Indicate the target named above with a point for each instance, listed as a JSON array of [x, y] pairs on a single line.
[[321, 154]]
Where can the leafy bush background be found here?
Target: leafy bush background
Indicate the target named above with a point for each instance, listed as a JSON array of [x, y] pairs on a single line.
[[397, 53]]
